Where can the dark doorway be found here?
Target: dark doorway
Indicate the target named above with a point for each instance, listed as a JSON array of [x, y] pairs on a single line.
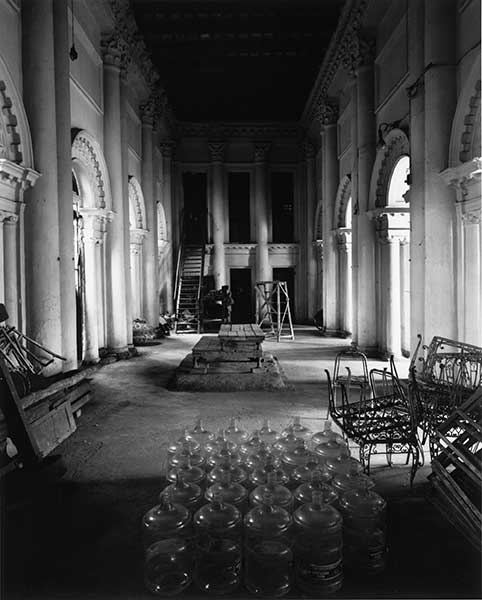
[[239, 214], [241, 290], [287, 274], [195, 207]]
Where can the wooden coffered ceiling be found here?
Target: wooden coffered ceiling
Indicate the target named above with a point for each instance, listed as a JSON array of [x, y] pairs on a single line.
[[241, 60]]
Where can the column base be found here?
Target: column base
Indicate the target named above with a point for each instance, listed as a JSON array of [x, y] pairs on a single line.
[[372, 352], [119, 353], [335, 333]]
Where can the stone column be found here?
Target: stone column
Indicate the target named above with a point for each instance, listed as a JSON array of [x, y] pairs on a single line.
[[217, 207], [64, 175], [328, 115], [343, 238], [366, 303], [150, 283], [42, 227], [167, 148], [90, 238], [354, 207], [3, 216], [263, 268], [117, 335], [101, 281], [11, 268], [472, 276], [405, 292], [439, 91], [309, 235]]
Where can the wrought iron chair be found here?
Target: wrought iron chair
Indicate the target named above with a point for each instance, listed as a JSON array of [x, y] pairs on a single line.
[[389, 419]]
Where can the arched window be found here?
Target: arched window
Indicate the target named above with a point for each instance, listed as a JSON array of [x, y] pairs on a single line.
[[398, 186]]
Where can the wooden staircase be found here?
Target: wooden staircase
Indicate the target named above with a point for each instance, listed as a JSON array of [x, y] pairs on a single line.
[[188, 288]]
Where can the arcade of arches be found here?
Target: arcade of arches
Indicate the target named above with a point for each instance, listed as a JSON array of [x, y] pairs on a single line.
[[379, 218]]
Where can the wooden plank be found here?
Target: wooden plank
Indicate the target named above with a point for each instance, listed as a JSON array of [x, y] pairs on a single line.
[[58, 386], [53, 428]]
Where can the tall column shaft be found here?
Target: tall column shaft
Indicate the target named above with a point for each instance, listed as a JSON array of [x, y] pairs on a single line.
[[150, 283], [11, 268], [167, 149], [42, 216], [312, 301], [439, 201], [263, 268], [217, 210], [117, 336], [64, 183], [90, 240], [405, 294], [366, 303], [392, 296], [331, 305], [354, 197], [472, 309]]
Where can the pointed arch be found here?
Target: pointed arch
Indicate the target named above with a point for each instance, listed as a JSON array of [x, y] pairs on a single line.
[[343, 197], [396, 146], [137, 207], [91, 171]]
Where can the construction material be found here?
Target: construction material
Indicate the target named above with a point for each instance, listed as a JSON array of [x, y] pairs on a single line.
[[274, 309], [457, 469]]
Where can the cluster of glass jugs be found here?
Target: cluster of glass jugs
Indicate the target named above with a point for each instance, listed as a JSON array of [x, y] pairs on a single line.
[[270, 510]]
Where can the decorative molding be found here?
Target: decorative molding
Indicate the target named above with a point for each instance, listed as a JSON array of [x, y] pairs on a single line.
[[343, 239], [464, 177], [137, 236], [251, 131], [357, 50], [261, 150], [217, 150], [393, 227], [167, 148], [9, 137], [396, 146], [136, 200], [8, 218], [348, 26], [326, 111], [114, 50], [277, 248], [343, 195], [472, 217], [13, 175], [470, 120]]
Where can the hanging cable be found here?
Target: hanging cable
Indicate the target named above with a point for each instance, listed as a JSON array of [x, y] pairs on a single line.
[[73, 52]]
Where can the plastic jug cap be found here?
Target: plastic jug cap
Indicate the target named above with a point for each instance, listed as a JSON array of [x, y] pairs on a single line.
[[271, 478]]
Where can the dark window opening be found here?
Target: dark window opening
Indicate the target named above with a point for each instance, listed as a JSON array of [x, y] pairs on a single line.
[[195, 207], [282, 205], [239, 213]]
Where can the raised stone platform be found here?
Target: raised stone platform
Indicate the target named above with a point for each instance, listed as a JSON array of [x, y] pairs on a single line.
[[233, 361]]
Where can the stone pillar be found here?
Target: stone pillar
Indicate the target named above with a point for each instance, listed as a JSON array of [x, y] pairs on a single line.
[[366, 303], [150, 283], [217, 207], [328, 115], [137, 262], [354, 208], [101, 281], [263, 268], [167, 148], [472, 277], [3, 216], [405, 292], [64, 177], [416, 64], [117, 334], [343, 238], [440, 315], [90, 239], [11, 268], [309, 235], [42, 227]]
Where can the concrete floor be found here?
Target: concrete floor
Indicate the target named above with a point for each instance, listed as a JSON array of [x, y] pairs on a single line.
[[78, 537]]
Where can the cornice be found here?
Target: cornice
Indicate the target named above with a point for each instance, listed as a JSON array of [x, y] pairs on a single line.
[[13, 174], [251, 131], [348, 26]]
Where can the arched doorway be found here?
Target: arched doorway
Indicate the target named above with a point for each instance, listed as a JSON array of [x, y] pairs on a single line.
[[138, 231], [389, 195], [91, 210], [342, 230]]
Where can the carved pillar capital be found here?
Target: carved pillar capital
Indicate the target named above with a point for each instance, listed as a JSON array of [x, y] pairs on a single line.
[[217, 150], [114, 50], [472, 217], [261, 150], [392, 228], [326, 112], [357, 51], [8, 218], [343, 239], [167, 148]]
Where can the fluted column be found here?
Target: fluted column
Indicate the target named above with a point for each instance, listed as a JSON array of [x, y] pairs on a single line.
[[11, 267], [150, 281], [263, 268], [167, 149], [117, 335], [327, 116], [42, 226], [309, 237], [217, 208], [90, 238]]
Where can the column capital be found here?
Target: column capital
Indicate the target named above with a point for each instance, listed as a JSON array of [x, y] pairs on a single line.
[[114, 50], [358, 50], [149, 111], [167, 148], [217, 150], [326, 111], [343, 238], [261, 150], [472, 217], [309, 150], [137, 238], [391, 228]]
